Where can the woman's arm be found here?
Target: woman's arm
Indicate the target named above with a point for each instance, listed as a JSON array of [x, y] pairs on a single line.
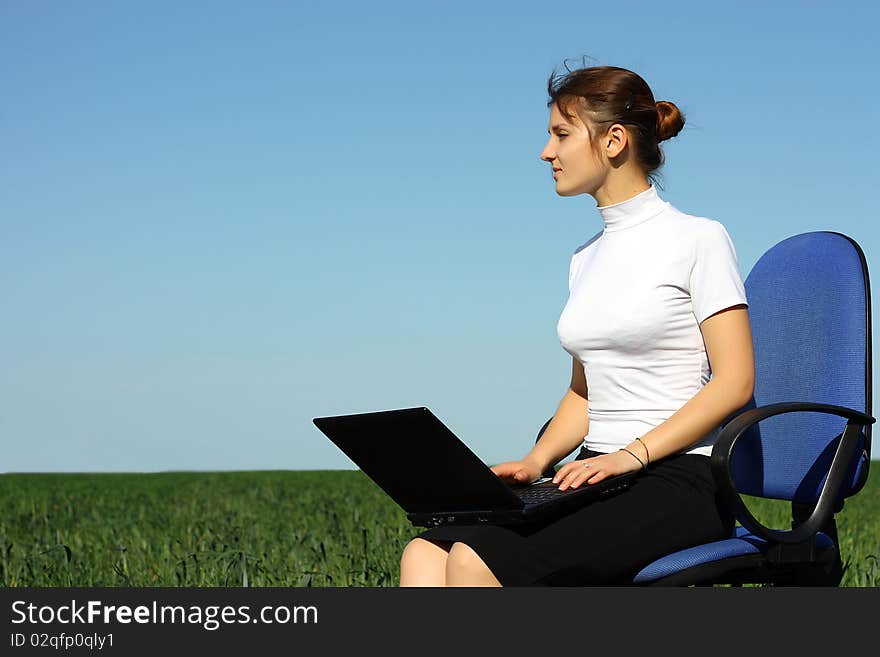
[[728, 339], [568, 426], [564, 433]]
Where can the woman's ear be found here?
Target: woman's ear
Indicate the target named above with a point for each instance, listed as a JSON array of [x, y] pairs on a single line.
[[616, 139]]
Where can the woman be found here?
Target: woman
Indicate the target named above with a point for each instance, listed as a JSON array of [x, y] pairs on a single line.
[[654, 299]]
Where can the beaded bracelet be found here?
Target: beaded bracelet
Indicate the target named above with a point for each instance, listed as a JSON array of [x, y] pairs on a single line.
[[624, 449]]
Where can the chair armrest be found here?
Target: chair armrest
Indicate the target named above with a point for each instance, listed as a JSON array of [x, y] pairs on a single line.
[[723, 449]]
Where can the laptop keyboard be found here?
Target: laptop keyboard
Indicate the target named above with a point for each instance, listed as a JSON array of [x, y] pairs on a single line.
[[541, 492]]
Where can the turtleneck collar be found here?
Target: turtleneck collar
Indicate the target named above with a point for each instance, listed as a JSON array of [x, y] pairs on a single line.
[[632, 211]]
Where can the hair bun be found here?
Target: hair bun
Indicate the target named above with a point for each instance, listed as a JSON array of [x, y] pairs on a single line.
[[670, 120]]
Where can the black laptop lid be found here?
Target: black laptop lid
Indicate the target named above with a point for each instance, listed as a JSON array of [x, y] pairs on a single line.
[[417, 460]]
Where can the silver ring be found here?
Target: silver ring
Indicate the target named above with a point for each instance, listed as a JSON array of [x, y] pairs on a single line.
[[586, 465]]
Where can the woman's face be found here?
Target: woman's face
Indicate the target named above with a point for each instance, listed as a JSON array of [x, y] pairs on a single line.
[[576, 168]]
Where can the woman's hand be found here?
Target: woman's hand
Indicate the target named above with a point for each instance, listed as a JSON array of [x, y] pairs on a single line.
[[518, 472], [594, 470]]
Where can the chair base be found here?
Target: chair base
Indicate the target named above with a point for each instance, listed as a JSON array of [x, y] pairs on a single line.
[[756, 569]]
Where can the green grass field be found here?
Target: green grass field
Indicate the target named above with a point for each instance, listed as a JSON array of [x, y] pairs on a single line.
[[314, 528]]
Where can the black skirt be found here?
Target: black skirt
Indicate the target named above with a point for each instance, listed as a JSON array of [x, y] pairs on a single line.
[[670, 506]]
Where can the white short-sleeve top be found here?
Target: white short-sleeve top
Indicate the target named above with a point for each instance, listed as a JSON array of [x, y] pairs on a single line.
[[638, 291]]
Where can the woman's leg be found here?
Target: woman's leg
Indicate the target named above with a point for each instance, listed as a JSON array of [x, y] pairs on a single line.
[[423, 563], [464, 567]]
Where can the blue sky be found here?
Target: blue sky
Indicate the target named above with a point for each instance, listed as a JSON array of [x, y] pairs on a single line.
[[220, 220]]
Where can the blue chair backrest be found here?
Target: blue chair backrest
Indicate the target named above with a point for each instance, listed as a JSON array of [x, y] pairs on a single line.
[[809, 306]]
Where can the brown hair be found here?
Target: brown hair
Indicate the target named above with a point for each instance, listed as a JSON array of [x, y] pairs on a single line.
[[605, 95]]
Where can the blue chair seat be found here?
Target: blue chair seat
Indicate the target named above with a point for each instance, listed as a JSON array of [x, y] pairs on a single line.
[[742, 543]]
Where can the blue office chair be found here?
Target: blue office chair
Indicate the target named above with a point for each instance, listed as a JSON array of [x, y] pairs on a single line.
[[806, 435]]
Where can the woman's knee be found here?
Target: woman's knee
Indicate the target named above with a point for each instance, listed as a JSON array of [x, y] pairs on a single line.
[[420, 548], [462, 557], [420, 551], [423, 563], [465, 566]]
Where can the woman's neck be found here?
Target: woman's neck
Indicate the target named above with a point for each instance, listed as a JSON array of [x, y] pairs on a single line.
[[620, 188]]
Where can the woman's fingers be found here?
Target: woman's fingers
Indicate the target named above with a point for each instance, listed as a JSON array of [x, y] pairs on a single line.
[[567, 469], [512, 470], [573, 474]]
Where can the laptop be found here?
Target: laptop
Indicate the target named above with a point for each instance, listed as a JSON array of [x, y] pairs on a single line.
[[433, 476]]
